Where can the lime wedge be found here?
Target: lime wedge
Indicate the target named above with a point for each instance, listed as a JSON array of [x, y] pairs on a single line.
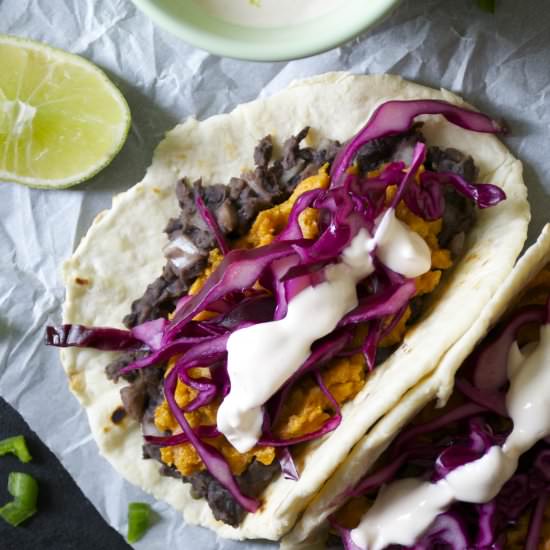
[[61, 119]]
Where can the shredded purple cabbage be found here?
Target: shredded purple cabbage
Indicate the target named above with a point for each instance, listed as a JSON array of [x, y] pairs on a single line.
[[386, 303], [330, 425], [212, 224], [212, 458], [283, 269], [516, 496], [383, 476], [288, 466], [487, 514], [535, 525], [478, 441], [239, 270], [464, 411], [345, 535], [490, 373], [396, 117], [204, 432], [447, 531], [201, 350], [426, 199], [419, 156], [483, 194], [542, 464], [491, 400], [462, 435], [150, 333], [370, 344], [102, 338]]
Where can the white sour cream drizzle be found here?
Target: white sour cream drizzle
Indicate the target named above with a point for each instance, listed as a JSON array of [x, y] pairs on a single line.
[[262, 357], [268, 13], [404, 509]]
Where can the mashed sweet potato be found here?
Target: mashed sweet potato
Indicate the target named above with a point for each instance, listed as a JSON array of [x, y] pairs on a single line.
[[306, 408], [184, 457]]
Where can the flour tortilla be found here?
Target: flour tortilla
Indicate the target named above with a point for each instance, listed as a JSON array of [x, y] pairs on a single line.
[[122, 253], [311, 529]]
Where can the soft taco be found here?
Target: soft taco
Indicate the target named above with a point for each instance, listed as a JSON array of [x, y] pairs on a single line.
[[472, 471], [297, 302]]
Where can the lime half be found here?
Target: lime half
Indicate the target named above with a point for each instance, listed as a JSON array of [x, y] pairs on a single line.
[[61, 119]]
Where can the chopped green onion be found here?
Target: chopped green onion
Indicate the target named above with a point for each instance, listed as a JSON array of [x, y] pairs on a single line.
[[15, 514], [487, 5], [139, 520], [24, 490], [17, 446]]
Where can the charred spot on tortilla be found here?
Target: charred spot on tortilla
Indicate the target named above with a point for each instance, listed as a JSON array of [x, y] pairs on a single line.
[[81, 281], [100, 216], [77, 381], [118, 415]]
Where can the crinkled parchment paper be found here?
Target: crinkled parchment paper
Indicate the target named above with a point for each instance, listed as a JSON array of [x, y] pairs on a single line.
[[500, 63]]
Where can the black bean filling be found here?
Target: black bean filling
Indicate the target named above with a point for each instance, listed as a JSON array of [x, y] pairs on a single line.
[[235, 207], [459, 215], [252, 483], [388, 149]]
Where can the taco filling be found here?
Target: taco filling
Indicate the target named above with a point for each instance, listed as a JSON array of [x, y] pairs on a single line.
[[484, 459], [282, 291]]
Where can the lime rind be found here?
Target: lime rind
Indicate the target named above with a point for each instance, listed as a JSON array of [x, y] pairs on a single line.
[[15, 114]]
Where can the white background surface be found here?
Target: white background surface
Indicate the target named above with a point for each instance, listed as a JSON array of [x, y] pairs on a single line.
[[500, 63]]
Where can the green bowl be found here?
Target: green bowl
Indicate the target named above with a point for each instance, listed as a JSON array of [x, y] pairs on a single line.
[[186, 19]]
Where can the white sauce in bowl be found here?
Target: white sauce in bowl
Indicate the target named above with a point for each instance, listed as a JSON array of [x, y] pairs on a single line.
[[268, 13]]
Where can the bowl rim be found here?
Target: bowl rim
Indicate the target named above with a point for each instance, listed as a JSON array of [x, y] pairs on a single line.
[[264, 50]]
